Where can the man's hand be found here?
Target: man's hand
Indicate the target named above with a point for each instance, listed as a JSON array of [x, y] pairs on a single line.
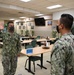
[[1, 26], [18, 54]]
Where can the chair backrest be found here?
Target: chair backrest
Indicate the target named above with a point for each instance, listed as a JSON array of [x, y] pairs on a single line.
[[34, 43], [38, 37], [29, 46]]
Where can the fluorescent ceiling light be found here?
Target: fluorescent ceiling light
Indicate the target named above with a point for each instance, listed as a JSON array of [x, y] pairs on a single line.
[[39, 14], [22, 17], [11, 19], [54, 6], [25, 0]]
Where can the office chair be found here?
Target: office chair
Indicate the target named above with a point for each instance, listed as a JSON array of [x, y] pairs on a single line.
[[38, 43], [33, 58], [34, 43], [38, 37]]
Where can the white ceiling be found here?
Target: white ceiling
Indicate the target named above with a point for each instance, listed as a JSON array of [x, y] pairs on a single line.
[[8, 11]]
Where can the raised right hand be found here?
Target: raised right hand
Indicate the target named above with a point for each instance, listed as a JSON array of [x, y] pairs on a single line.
[[1, 26]]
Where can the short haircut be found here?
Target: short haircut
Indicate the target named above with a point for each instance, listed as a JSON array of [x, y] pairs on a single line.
[[9, 22], [66, 20]]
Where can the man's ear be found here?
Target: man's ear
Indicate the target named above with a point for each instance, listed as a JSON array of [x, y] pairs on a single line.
[[61, 26]]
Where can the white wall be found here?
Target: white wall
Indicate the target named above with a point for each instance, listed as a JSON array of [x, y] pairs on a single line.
[[43, 31], [57, 15]]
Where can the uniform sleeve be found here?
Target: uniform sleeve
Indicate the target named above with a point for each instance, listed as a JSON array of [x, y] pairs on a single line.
[[18, 45], [1, 34], [58, 60]]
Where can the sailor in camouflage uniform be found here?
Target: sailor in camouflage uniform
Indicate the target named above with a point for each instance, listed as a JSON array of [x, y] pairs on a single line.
[[11, 48], [62, 56]]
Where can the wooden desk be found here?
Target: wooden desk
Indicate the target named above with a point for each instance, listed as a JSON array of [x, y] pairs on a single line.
[[1, 43], [36, 51], [26, 41], [52, 39], [27, 37], [38, 40], [24, 38], [41, 40], [33, 37]]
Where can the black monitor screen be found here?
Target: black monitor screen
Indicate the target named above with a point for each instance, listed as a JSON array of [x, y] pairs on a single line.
[[39, 21]]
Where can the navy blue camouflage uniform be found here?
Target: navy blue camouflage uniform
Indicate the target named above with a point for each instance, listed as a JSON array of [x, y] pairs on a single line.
[[62, 56], [11, 48]]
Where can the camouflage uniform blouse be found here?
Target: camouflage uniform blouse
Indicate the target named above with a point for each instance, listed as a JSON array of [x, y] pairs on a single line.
[[11, 44], [62, 56]]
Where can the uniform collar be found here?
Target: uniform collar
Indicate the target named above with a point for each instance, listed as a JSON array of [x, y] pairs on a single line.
[[9, 33], [67, 34]]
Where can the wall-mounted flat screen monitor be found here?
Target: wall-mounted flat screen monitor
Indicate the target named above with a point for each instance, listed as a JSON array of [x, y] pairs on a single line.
[[39, 21]]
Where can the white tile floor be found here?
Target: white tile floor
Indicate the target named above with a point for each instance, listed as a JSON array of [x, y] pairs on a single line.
[[21, 70]]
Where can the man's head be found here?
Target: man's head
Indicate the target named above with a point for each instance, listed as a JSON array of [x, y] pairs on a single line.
[[10, 26], [65, 23]]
